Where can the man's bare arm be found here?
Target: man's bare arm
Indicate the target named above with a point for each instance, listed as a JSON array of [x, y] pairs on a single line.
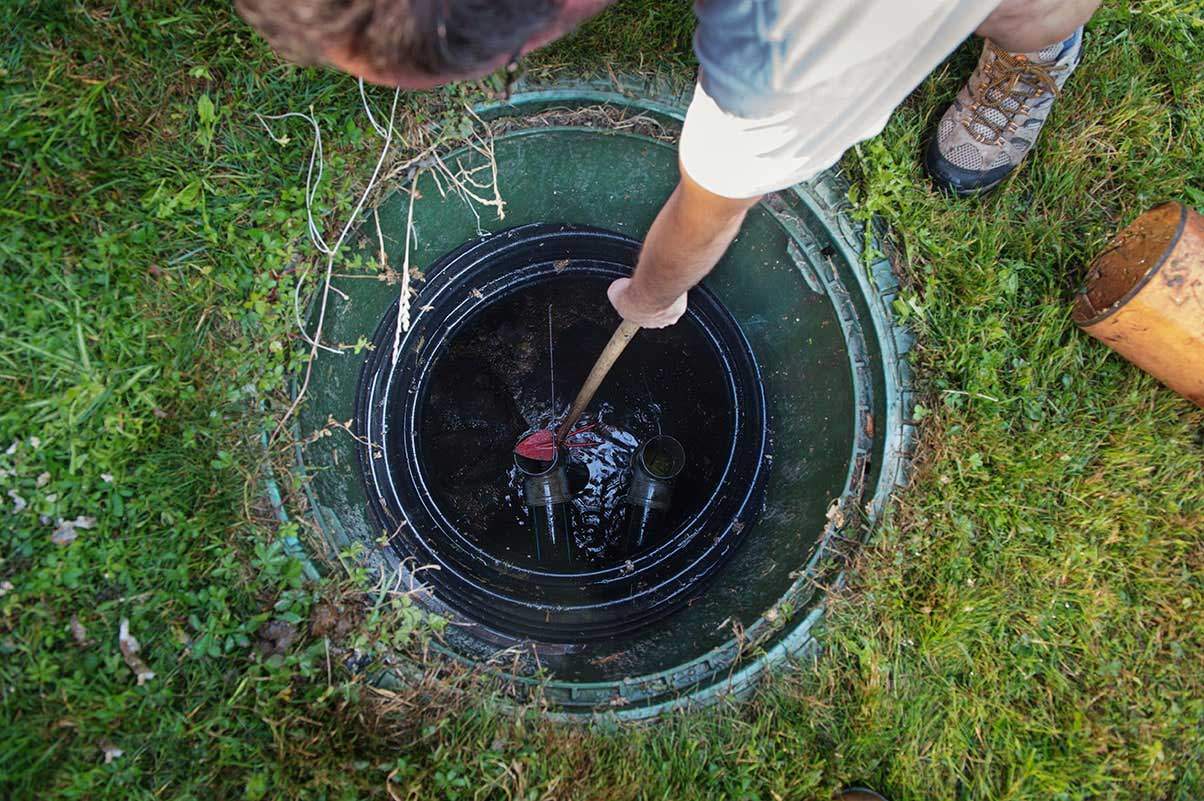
[[686, 240]]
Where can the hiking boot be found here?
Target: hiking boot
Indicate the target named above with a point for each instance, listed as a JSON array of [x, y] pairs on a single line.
[[996, 117]]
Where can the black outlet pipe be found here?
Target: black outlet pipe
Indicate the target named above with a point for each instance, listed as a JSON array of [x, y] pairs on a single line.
[[546, 492], [653, 467]]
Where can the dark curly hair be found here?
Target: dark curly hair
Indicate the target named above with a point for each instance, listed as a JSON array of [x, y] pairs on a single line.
[[437, 37]]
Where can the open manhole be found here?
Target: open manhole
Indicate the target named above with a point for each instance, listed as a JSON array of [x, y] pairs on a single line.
[[511, 328], [784, 386]]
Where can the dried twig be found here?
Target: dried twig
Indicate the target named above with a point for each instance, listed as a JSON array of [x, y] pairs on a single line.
[[403, 302], [317, 338]]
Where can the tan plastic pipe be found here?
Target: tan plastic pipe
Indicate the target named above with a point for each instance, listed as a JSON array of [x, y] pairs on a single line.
[[1144, 297]]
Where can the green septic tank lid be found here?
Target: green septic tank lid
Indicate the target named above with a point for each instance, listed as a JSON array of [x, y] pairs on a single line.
[[817, 319]]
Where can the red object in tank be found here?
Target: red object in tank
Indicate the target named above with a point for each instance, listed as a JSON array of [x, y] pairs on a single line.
[[541, 445]]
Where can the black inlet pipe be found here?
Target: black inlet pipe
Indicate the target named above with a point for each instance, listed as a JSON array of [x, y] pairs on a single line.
[[546, 492], [653, 467]]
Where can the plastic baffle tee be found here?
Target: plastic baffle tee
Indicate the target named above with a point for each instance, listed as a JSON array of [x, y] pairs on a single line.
[[653, 467], [546, 492]]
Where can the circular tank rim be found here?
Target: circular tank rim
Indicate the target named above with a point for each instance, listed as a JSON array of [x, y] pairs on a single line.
[[664, 691], [687, 552]]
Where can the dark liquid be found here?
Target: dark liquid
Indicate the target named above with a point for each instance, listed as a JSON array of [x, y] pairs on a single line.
[[493, 384]]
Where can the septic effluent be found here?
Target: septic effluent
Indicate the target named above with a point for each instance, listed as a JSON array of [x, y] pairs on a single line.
[[515, 366]]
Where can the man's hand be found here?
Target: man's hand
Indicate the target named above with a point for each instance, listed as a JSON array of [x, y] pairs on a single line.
[[647, 313], [685, 241]]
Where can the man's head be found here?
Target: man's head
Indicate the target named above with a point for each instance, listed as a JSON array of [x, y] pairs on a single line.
[[413, 43]]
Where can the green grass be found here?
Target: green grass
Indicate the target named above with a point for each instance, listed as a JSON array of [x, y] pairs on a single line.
[[1026, 626]]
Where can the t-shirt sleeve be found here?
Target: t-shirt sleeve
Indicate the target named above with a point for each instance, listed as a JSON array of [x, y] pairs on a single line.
[[740, 50]]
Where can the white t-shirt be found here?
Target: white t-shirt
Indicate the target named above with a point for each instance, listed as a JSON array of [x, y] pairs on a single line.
[[786, 86]]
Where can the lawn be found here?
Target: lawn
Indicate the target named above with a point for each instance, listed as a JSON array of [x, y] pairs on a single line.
[[1026, 625]]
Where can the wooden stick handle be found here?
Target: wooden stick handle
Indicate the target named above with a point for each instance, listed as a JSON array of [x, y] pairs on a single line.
[[606, 360]]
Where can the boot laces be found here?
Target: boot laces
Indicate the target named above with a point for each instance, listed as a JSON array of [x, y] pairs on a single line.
[[1010, 81]]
